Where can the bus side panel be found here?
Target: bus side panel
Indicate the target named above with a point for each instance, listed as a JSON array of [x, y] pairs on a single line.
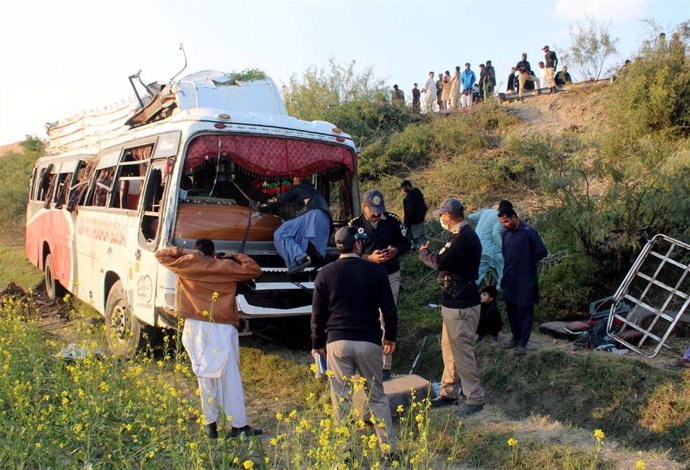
[[53, 227], [104, 254]]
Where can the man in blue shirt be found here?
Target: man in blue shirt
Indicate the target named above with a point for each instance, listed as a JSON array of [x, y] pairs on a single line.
[[523, 248], [467, 79]]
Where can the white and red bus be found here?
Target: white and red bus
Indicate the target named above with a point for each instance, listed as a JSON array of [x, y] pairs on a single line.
[[194, 162]]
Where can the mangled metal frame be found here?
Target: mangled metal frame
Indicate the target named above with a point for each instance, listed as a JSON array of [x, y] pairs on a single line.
[[658, 287]]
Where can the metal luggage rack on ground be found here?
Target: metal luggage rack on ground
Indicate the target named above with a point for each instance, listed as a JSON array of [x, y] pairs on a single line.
[[658, 287]]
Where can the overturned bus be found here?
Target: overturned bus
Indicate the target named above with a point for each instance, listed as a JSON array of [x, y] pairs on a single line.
[[196, 159]]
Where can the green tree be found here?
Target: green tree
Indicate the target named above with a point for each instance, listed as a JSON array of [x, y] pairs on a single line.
[[592, 49], [33, 144], [356, 102]]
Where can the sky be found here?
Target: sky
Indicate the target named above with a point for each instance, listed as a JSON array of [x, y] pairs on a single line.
[[63, 57]]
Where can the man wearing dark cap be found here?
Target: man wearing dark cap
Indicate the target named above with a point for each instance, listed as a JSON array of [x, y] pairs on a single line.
[[457, 264], [345, 326], [550, 62], [414, 209], [386, 242]]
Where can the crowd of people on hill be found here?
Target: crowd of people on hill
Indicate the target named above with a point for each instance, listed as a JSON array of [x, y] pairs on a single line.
[[463, 87]]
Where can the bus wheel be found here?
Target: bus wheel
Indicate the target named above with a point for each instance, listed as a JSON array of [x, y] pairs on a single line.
[[123, 330], [53, 287]]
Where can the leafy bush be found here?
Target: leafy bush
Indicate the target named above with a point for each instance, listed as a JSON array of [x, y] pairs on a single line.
[[356, 102]]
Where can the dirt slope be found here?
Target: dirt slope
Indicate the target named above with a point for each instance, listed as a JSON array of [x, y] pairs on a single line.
[[10, 148], [577, 109]]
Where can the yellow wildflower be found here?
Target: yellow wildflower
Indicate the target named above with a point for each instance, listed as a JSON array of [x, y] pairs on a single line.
[[248, 464], [599, 435], [400, 409], [640, 465], [512, 442]]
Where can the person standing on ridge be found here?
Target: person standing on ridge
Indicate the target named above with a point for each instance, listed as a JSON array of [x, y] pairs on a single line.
[[416, 99], [550, 63], [467, 79], [429, 93]]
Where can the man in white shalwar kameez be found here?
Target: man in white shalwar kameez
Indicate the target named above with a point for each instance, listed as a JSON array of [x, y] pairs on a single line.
[[429, 91], [206, 289]]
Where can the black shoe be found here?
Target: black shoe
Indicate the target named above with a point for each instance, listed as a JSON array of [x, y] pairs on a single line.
[[300, 265], [212, 430], [442, 400], [386, 375], [509, 344], [519, 351], [246, 431], [467, 410]]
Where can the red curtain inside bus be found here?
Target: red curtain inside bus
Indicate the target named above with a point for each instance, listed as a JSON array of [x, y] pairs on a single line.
[[270, 156]]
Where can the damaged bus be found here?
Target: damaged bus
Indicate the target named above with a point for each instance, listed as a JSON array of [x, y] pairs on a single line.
[[198, 157]]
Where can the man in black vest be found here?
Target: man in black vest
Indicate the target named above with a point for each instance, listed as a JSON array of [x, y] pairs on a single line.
[[457, 264], [386, 242]]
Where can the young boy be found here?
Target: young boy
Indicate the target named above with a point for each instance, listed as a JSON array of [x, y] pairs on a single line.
[[490, 323]]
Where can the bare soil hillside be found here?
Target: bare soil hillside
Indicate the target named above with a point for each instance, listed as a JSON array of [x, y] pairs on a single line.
[[10, 148], [575, 109]]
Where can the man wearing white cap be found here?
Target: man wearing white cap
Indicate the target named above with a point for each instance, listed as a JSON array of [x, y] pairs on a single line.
[[457, 264]]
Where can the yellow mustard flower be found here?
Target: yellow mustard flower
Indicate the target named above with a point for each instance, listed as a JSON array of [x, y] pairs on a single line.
[[640, 465], [599, 435], [512, 442]]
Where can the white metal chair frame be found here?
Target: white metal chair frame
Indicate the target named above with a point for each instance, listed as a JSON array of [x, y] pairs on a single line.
[[677, 258]]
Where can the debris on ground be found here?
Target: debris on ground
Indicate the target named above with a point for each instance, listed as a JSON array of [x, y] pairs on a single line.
[[34, 304]]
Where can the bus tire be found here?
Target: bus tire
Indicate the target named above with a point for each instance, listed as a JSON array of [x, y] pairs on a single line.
[[53, 287], [123, 331]]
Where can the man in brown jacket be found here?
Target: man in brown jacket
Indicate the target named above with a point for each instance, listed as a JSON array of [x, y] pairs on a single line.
[[205, 294]]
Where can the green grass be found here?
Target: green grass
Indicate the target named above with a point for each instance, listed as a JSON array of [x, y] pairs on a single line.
[[14, 267], [639, 404]]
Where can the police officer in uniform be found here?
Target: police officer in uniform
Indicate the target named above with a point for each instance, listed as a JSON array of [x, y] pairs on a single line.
[[457, 264], [387, 241]]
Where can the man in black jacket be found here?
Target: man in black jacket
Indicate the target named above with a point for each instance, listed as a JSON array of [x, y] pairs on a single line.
[[525, 75], [386, 242], [414, 212], [550, 62], [345, 326], [457, 264]]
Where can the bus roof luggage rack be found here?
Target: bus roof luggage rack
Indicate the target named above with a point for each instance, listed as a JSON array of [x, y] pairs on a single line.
[[658, 288]]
